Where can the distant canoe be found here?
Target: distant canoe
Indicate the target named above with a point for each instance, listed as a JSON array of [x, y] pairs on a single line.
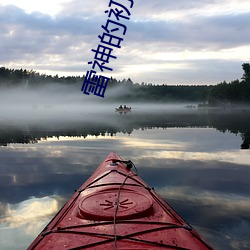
[[123, 109]]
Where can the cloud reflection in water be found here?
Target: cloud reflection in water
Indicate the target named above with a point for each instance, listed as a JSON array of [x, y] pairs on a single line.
[[198, 171], [21, 222]]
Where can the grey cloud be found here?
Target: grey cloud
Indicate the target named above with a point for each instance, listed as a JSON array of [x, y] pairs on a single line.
[[12, 17], [38, 31], [88, 8], [224, 31], [27, 36], [145, 9], [36, 38], [97, 7], [201, 32]]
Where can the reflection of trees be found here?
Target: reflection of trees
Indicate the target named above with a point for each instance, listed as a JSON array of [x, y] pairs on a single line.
[[16, 137], [222, 120], [246, 141], [236, 122]]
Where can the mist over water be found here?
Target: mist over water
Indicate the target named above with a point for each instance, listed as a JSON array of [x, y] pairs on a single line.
[[56, 109], [60, 102], [61, 108], [49, 102], [53, 138]]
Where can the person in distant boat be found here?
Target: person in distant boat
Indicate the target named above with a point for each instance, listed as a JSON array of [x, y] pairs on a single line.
[[125, 106], [120, 107]]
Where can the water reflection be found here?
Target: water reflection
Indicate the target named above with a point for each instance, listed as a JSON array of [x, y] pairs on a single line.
[[110, 123], [31, 210], [195, 166], [21, 221]]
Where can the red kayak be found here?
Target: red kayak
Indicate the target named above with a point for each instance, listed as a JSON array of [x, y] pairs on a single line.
[[116, 209]]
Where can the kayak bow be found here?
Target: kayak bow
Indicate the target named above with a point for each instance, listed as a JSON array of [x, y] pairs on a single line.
[[116, 209]]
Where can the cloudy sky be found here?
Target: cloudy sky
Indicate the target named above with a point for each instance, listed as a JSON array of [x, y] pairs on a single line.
[[167, 41]]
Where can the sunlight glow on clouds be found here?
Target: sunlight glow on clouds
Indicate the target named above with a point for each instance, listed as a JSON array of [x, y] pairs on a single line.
[[233, 203], [45, 6], [224, 54], [230, 157], [22, 222], [29, 211]]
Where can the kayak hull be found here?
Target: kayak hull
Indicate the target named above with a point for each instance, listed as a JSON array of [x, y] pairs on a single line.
[[116, 209]]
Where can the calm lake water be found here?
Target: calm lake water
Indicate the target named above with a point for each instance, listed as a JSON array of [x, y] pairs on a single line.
[[197, 160]]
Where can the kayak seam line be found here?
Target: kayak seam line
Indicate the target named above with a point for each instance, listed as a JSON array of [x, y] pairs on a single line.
[[99, 178], [44, 233], [110, 184], [173, 212], [114, 170], [166, 208]]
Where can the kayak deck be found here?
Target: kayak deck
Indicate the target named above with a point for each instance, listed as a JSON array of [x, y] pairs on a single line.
[[116, 209]]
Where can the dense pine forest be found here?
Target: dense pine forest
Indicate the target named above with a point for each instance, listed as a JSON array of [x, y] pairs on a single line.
[[234, 92]]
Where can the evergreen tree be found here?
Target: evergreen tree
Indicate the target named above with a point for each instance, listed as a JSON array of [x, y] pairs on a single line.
[[246, 69]]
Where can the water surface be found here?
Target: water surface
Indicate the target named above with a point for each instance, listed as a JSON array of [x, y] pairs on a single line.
[[193, 158]]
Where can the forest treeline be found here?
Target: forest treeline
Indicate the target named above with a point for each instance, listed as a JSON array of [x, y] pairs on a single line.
[[236, 91]]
